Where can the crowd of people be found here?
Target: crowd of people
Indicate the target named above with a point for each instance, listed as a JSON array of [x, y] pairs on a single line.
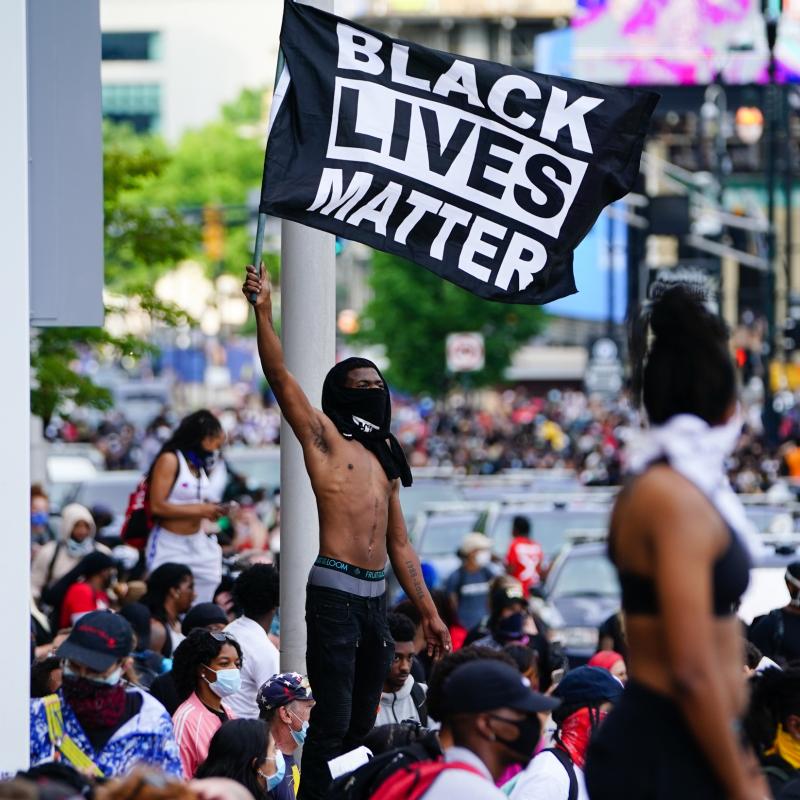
[[142, 689], [112, 716], [493, 431], [158, 675]]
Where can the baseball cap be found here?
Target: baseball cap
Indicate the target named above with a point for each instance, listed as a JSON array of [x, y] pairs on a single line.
[[97, 640], [588, 686], [282, 689], [474, 541], [202, 615], [486, 685], [505, 596]]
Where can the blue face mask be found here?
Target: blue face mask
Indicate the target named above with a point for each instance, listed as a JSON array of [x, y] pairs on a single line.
[[39, 519], [228, 681], [275, 780], [299, 736]]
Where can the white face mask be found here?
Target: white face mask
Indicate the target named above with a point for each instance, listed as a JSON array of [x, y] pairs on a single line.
[[483, 558]]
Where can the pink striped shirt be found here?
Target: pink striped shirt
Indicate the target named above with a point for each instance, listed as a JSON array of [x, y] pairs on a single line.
[[194, 726]]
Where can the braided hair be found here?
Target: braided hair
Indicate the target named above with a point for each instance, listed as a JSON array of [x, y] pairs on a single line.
[[681, 361]]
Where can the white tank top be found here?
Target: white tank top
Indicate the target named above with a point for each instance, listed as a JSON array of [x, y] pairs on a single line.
[[188, 488]]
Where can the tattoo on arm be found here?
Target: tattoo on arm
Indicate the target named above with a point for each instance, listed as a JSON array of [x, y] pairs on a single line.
[[416, 580]]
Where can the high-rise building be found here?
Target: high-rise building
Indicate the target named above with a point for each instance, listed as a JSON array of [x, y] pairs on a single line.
[[168, 65]]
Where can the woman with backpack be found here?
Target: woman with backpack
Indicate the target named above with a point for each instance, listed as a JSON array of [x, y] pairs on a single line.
[[178, 499]]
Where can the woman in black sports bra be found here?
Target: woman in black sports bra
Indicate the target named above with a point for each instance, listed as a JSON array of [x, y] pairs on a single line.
[[682, 570]]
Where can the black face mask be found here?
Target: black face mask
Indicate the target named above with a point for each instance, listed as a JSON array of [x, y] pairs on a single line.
[[530, 731], [364, 405], [366, 416], [509, 628]]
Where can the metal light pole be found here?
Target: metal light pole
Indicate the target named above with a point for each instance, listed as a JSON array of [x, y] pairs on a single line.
[[308, 334], [770, 418]]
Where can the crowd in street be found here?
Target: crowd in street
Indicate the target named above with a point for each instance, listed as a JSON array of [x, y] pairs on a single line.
[[141, 688], [481, 434]]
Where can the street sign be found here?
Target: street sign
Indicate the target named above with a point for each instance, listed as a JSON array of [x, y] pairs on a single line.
[[465, 352], [604, 370]]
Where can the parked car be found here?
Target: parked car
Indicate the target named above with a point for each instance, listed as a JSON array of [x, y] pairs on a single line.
[[580, 593], [582, 590], [260, 466], [109, 489], [438, 530], [550, 517]]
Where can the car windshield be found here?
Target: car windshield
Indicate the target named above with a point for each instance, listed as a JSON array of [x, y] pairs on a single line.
[[588, 575], [262, 470], [414, 497], [547, 526], [113, 495], [443, 533]]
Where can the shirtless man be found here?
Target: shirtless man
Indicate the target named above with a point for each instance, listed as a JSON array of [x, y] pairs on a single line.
[[356, 467]]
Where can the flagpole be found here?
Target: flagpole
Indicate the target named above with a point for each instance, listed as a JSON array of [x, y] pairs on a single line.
[[308, 334]]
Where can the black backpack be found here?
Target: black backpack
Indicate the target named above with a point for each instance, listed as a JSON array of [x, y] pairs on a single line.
[[420, 701], [362, 783], [566, 762]]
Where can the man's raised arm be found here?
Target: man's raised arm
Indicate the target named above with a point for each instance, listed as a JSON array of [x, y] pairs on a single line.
[[304, 419]]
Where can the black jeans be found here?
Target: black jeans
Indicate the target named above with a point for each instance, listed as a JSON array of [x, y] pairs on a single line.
[[349, 654]]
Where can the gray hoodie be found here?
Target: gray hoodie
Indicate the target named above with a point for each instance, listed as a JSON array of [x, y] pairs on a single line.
[[398, 706]]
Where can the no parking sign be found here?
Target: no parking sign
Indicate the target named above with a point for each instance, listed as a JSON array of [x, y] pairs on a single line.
[[465, 352]]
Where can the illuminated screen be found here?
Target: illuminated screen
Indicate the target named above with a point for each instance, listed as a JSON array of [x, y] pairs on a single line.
[[671, 42]]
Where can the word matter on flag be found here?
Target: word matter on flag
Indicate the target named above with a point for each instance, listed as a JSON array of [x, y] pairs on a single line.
[[486, 175]]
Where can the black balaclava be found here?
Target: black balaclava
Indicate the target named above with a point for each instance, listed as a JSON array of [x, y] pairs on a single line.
[[366, 416]]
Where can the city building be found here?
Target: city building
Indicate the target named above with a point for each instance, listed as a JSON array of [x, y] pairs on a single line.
[[168, 65]]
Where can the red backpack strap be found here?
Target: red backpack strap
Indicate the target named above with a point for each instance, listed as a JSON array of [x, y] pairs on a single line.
[[413, 781]]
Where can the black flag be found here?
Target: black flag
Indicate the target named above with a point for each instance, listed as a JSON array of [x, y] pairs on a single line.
[[486, 175]]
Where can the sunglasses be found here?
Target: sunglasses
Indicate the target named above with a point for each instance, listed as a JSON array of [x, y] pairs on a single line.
[[222, 636]]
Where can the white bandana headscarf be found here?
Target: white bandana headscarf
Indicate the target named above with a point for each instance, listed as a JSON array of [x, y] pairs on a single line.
[[698, 451]]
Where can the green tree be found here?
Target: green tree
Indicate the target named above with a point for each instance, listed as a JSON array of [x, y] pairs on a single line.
[[218, 164], [413, 311], [140, 243]]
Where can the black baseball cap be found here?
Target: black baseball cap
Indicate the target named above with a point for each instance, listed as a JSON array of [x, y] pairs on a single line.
[[202, 615], [486, 685], [97, 640]]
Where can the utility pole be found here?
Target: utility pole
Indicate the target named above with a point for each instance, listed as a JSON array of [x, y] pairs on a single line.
[[308, 333], [769, 416], [610, 287]]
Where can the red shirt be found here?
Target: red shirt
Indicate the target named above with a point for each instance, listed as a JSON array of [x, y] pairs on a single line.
[[524, 560], [80, 599]]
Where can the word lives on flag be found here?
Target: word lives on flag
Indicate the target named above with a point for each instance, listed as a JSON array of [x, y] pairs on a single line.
[[488, 176]]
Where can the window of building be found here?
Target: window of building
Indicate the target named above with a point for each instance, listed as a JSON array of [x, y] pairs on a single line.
[[131, 46], [138, 104]]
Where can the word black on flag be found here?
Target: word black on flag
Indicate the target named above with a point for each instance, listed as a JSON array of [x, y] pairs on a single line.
[[486, 175]]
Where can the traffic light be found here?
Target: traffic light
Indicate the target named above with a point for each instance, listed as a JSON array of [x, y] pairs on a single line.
[[746, 363], [791, 336], [213, 233]]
